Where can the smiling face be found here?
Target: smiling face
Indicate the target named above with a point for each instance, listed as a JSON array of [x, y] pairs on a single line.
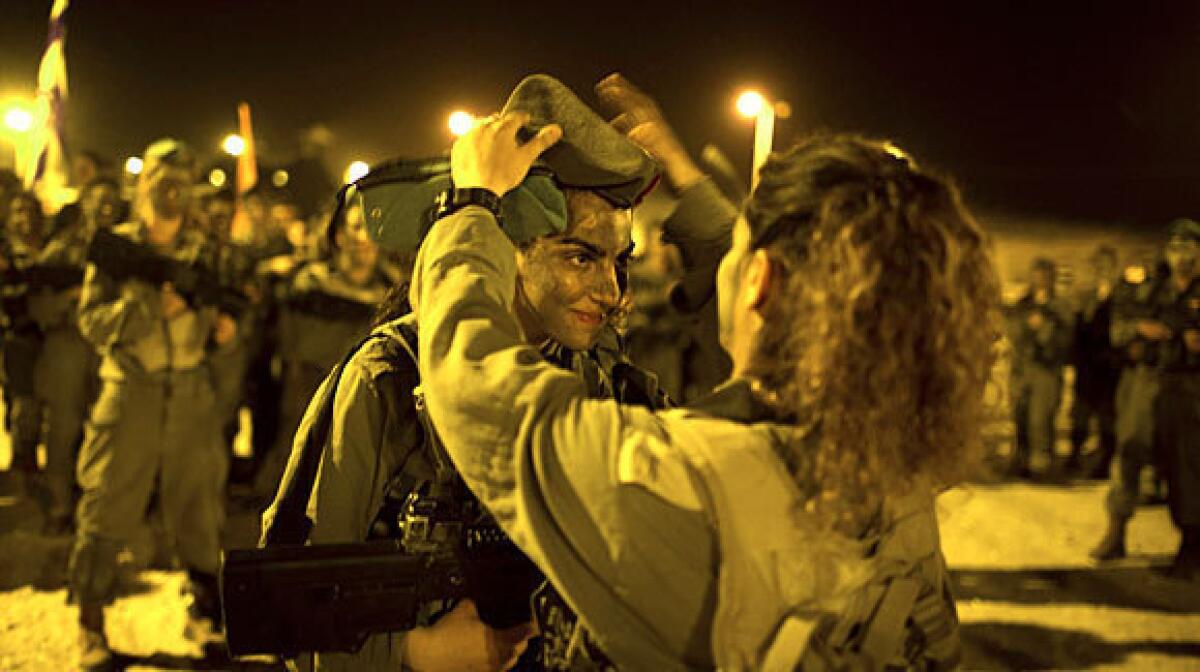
[[567, 286]]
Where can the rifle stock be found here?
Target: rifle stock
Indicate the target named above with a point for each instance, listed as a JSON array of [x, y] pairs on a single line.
[[288, 599]]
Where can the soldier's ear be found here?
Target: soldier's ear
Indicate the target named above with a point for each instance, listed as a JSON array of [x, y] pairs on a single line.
[[757, 283]]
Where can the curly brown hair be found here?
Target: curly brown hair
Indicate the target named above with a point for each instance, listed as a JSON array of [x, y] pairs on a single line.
[[883, 341]]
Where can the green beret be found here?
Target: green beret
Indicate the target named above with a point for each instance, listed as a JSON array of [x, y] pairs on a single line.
[[397, 197]]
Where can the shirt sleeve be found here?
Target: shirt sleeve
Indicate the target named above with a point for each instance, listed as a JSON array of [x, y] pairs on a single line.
[[567, 477]]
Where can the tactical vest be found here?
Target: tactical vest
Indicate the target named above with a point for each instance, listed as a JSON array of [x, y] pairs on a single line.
[[878, 603]]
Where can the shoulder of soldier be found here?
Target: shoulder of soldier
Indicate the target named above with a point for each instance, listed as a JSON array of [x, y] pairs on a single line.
[[384, 354]]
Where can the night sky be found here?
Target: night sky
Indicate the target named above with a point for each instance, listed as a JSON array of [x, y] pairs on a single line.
[[1087, 111]]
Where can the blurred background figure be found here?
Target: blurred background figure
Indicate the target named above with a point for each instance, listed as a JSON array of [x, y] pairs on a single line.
[[326, 309], [153, 428], [1039, 327], [22, 338], [234, 266], [86, 167], [1158, 397], [66, 369], [659, 336], [1097, 367], [308, 179]]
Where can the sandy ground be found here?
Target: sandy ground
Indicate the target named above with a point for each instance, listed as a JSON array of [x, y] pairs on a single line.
[[1029, 598]]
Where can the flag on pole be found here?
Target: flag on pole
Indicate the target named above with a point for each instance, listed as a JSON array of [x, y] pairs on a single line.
[[247, 176], [247, 165], [45, 170]]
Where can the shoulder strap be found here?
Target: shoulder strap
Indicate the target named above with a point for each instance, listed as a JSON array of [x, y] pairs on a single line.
[[291, 524], [437, 452]]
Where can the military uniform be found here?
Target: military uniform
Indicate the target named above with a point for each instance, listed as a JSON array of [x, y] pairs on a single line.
[[1097, 370], [378, 453], [152, 429], [1141, 384], [1158, 408], [311, 343], [21, 341], [66, 372], [234, 267], [1039, 356], [655, 531], [376, 440]]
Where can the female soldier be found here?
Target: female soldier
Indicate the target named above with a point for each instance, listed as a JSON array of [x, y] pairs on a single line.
[[572, 291], [858, 304]]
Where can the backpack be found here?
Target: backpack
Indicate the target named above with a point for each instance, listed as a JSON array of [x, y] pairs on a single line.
[[902, 618]]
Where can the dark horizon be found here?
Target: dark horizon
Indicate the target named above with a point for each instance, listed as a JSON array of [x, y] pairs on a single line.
[[1080, 113]]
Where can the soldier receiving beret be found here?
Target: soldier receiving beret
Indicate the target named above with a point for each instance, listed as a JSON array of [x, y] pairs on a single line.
[[573, 284]]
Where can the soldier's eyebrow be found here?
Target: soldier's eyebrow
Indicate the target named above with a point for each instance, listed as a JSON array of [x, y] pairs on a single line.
[[593, 249]]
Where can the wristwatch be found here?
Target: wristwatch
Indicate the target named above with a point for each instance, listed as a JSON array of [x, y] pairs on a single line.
[[453, 199]]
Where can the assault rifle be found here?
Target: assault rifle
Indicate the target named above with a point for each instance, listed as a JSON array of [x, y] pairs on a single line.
[[283, 600], [56, 277], [121, 259], [287, 599], [440, 544]]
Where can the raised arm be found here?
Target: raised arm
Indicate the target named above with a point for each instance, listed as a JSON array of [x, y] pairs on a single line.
[[702, 224]]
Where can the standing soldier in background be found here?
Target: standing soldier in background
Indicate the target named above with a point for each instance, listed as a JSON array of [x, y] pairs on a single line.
[[234, 266], [1041, 336], [1097, 366], [154, 422], [22, 339], [65, 375], [1157, 397], [326, 310], [663, 333]]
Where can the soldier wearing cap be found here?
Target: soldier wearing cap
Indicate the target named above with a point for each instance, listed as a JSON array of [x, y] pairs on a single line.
[[1041, 333], [153, 426], [1158, 398]]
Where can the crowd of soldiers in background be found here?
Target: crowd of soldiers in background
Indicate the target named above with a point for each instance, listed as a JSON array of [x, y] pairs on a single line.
[[310, 301], [311, 294], [1129, 334]]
